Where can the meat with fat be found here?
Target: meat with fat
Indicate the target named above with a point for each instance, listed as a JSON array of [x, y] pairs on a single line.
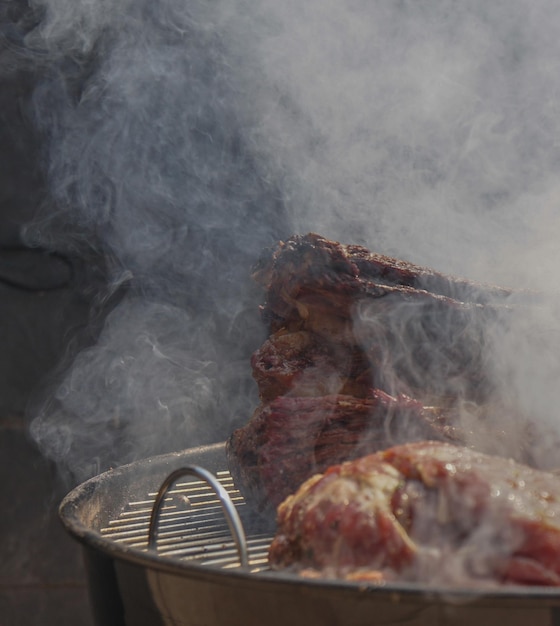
[[422, 333], [291, 438], [365, 351], [302, 363], [428, 511]]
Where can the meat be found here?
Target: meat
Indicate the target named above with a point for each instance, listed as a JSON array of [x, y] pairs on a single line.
[[364, 352], [426, 511], [304, 364], [422, 332], [315, 260], [291, 438]]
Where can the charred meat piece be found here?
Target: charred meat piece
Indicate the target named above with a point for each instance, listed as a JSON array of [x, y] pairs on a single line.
[[291, 438], [310, 259], [422, 332], [354, 337], [302, 363], [426, 511]]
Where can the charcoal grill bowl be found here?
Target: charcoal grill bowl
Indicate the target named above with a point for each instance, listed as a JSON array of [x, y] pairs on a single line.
[[134, 587]]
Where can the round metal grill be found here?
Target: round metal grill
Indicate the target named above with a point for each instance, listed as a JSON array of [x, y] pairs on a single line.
[[194, 577]]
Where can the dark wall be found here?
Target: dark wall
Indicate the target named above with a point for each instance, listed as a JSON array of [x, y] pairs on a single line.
[[45, 305], [45, 301]]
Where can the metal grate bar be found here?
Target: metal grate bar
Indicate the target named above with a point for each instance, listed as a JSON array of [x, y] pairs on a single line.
[[192, 526]]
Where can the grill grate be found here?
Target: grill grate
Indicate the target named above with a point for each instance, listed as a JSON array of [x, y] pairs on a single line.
[[192, 526]]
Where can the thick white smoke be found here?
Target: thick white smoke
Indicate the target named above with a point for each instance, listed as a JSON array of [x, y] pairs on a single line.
[[424, 128], [185, 136]]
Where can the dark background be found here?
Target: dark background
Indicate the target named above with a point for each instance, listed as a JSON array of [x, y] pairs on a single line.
[[45, 305]]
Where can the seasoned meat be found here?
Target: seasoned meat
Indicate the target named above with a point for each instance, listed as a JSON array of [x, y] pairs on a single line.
[[291, 438], [422, 332], [301, 363], [426, 511], [364, 352], [309, 259]]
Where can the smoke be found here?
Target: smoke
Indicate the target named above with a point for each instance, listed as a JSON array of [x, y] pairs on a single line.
[[149, 168], [411, 121], [183, 137]]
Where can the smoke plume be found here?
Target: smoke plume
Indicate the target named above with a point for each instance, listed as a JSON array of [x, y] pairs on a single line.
[[183, 137]]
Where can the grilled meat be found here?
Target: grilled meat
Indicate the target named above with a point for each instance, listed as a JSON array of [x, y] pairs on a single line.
[[312, 259], [302, 363], [423, 333], [365, 351], [291, 438], [426, 511]]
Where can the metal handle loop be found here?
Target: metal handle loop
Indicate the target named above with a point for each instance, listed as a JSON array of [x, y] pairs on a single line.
[[230, 512]]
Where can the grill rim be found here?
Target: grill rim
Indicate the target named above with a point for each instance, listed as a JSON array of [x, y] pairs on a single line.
[[72, 512]]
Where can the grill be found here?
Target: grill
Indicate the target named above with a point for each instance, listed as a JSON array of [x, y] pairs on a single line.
[[179, 564], [192, 526]]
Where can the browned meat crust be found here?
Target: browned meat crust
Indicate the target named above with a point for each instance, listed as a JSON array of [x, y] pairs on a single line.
[[291, 438], [418, 342], [354, 336], [429, 512], [313, 264], [302, 363]]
